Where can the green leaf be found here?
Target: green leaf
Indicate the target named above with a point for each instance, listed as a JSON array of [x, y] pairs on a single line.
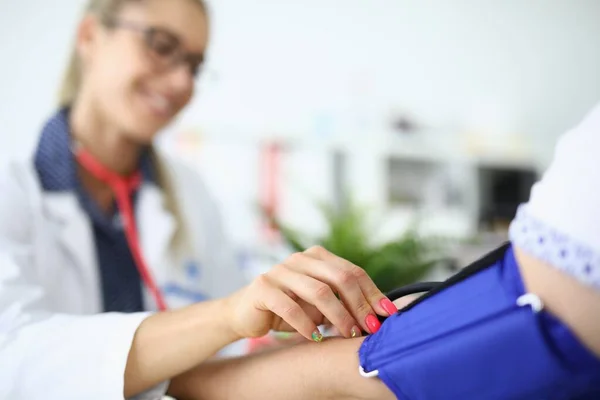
[[399, 262]]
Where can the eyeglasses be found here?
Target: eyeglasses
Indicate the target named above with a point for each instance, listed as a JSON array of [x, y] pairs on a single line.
[[164, 46]]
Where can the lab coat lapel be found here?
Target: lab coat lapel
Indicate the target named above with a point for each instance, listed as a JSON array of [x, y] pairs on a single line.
[[156, 227], [74, 234]]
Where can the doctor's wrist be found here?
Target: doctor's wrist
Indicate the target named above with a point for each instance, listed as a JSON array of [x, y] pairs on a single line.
[[222, 321], [167, 344]]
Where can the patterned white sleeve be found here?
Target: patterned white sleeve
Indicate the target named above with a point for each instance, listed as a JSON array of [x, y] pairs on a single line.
[[561, 222]]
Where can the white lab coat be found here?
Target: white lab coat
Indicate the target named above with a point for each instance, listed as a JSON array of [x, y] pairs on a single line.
[[54, 341]]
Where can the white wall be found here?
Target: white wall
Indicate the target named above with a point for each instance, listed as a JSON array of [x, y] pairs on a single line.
[[530, 65], [35, 38], [281, 65]]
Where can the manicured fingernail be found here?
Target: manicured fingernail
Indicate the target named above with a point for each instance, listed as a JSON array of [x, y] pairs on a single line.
[[317, 336], [372, 323], [388, 306], [355, 332]]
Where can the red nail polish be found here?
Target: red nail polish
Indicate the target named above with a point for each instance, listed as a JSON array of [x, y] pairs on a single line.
[[388, 306], [372, 323]]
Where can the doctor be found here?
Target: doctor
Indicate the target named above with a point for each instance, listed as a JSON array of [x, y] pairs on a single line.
[[115, 276]]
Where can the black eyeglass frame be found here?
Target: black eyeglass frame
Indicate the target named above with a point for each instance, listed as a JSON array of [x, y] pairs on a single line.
[[172, 56]]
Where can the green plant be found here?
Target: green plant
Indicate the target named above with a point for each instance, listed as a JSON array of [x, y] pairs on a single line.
[[404, 260]]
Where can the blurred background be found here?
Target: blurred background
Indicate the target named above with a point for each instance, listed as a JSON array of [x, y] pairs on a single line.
[[379, 128]]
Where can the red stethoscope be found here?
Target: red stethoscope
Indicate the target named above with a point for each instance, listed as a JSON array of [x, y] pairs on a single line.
[[123, 187]]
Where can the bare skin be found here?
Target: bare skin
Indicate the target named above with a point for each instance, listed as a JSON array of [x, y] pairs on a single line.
[[330, 370]]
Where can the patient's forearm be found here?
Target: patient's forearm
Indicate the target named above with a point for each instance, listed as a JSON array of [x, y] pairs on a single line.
[[327, 370], [576, 305]]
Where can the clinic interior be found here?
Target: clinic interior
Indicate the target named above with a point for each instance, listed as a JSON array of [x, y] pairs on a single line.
[[356, 123]]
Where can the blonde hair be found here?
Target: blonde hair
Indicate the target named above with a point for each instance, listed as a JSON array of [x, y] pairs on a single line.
[[106, 11]]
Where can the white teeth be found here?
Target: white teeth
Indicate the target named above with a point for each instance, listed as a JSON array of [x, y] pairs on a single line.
[[161, 103]]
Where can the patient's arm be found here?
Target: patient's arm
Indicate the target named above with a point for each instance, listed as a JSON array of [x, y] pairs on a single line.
[[327, 370], [575, 304]]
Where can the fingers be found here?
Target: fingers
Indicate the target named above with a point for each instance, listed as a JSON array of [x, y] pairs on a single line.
[[350, 272], [357, 291], [320, 295], [282, 305]]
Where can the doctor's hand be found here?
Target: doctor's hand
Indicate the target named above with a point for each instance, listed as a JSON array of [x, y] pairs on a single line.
[[309, 289]]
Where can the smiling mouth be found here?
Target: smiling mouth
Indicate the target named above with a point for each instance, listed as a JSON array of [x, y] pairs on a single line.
[[160, 105]]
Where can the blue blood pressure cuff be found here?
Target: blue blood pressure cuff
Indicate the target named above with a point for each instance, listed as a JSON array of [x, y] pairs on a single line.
[[480, 336]]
